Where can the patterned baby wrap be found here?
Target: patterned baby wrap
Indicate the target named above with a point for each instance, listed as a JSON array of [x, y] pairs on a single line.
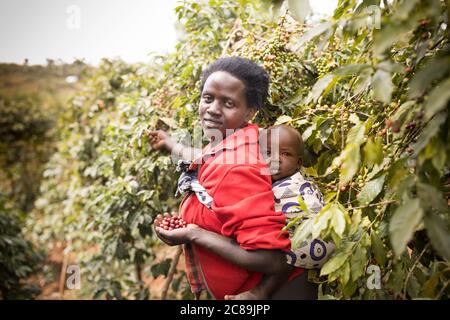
[[310, 254]]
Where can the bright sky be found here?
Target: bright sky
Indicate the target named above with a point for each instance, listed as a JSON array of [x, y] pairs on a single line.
[[91, 29]]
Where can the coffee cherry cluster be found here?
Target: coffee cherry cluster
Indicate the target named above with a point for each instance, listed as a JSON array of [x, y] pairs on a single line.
[[324, 63], [159, 97], [172, 223]]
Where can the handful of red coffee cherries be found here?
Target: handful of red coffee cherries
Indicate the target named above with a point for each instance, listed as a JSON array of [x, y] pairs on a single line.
[[170, 222]]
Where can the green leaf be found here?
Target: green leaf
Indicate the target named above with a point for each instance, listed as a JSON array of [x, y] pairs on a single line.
[[363, 81], [433, 70], [282, 119], [403, 224], [438, 99], [431, 197], [391, 67], [330, 196], [299, 9], [402, 113], [308, 132], [438, 234], [371, 190], [403, 10], [321, 220], [350, 163], [302, 233], [358, 262], [302, 204], [351, 69], [389, 34], [316, 31], [382, 86], [429, 288], [373, 151], [121, 252], [161, 268], [319, 87], [132, 187], [430, 130], [338, 222], [342, 254], [334, 263], [378, 249], [345, 274], [356, 134]]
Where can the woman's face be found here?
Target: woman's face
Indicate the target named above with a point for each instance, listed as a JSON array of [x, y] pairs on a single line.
[[223, 105]]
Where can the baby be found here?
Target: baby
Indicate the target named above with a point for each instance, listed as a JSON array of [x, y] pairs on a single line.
[[288, 185]]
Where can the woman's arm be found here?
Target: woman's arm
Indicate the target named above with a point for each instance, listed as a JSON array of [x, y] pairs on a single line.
[[162, 140], [265, 261]]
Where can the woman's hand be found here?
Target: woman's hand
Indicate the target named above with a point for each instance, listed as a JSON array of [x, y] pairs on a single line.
[[176, 236], [160, 139]]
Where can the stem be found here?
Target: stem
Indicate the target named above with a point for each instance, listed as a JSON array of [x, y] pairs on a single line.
[[172, 270], [138, 270], [412, 269], [441, 292], [62, 276], [230, 37], [376, 204]]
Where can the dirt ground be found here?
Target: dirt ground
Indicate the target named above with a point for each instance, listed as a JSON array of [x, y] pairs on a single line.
[[52, 290]]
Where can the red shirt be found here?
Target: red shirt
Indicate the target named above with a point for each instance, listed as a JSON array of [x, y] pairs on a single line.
[[242, 209]]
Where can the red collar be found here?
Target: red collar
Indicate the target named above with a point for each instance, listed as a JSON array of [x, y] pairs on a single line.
[[246, 135]]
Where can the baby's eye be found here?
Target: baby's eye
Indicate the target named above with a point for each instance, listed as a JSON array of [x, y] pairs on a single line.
[[207, 98], [285, 154]]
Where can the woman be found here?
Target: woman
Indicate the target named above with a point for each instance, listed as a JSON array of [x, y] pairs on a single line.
[[232, 90]]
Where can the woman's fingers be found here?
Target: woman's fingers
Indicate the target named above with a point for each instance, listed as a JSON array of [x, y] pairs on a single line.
[[160, 233], [170, 237], [152, 133]]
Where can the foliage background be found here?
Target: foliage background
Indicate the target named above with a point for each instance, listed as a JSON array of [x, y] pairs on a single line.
[[371, 104]]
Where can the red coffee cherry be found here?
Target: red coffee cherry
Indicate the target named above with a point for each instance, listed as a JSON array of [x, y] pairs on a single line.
[[172, 222]]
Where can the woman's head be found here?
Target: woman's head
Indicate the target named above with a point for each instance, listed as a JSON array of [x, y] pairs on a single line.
[[232, 90]]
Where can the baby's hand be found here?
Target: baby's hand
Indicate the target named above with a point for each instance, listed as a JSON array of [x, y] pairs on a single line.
[[247, 295]]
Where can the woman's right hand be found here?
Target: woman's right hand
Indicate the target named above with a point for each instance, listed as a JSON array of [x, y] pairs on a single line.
[[176, 236], [160, 139]]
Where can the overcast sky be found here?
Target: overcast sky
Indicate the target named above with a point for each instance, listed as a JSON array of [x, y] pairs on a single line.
[[91, 29]]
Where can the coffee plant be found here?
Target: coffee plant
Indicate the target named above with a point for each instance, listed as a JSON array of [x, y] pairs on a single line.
[[371, 104]]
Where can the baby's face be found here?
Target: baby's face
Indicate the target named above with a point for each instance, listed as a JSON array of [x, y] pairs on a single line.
[[283, 153]]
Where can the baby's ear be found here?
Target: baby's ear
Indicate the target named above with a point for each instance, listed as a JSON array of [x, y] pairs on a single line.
[[300, 162]]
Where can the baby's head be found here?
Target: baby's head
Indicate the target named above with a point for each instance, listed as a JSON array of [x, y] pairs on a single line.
[[290, 146]]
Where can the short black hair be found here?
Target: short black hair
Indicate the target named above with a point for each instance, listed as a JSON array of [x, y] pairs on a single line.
[[254, 77]]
